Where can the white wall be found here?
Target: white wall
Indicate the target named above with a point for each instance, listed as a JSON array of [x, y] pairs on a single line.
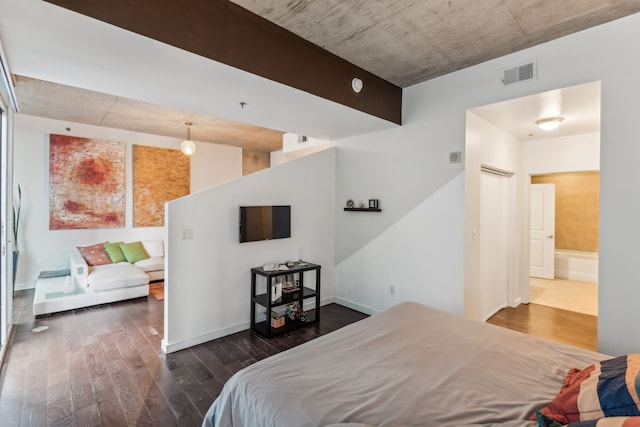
[[280, 156], [404, 167], [211, 165], [404, 256], [208, 277], [214, 164], [576, 153], [291, 143], [401, 168]]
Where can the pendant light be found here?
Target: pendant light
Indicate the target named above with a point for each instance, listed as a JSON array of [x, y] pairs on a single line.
[[187, 146]]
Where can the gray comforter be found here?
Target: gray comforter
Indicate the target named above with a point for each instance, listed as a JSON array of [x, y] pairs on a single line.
[[408, 366]]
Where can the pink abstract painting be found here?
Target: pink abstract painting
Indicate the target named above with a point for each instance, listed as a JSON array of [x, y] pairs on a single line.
[[86, 183]]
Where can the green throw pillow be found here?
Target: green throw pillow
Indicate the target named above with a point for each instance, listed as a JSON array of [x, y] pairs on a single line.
[[133, 251], [114, 251]]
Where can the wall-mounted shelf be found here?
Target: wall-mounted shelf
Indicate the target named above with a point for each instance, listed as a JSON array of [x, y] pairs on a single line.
[[363, 210]]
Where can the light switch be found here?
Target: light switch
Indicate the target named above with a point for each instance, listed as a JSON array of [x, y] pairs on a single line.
[[187, 232]]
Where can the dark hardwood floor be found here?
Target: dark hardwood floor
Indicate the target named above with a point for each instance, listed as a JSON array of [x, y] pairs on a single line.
[[103, 366]]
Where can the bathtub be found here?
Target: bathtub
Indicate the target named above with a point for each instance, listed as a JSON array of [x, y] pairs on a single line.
[[576, 265]]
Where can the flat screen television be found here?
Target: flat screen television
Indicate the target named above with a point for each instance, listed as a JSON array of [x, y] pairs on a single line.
[[264, 223]]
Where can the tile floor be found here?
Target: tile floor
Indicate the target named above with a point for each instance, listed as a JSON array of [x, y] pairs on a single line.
[[580, 297]]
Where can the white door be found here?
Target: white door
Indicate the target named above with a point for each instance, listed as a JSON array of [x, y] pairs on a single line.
[[542, 246], [494, 241]]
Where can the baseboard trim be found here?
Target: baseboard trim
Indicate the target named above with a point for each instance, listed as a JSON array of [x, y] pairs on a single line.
[[24, 286], [327, 301], [576, 275], [5, 346], [494, 312], [213, 335], [200, 339], [355, 306]]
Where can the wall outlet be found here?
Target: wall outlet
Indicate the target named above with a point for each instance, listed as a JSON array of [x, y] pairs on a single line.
[[392, 289]]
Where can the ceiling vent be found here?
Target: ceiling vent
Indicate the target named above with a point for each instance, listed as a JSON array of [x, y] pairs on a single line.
[[521, 73]]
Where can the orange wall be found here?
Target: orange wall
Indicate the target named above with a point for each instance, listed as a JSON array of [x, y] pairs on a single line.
[[577, 200]]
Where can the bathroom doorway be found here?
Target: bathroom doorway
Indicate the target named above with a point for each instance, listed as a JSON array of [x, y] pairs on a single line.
[[574, 283]]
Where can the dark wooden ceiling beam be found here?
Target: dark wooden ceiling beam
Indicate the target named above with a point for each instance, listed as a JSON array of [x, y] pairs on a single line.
[[226, 33]]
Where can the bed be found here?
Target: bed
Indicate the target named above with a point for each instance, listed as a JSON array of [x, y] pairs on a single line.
[[409, 365]]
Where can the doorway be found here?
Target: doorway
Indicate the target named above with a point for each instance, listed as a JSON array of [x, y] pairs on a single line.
[[573, 280], [505, 134]]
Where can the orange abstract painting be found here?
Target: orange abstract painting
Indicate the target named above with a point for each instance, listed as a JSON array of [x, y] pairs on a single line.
[[159, 176], [86, 183]]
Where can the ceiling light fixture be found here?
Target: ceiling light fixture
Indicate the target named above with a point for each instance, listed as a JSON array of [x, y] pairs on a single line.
[[549, 123], [357, 84], [188, 147]]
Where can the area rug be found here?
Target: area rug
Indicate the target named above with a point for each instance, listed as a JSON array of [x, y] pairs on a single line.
[[157, 290], [54, 273]]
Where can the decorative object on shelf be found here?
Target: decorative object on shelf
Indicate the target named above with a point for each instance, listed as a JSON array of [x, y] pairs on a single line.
[[276, 291], [373, 203], [290, 285], [277, 320], [350, 203], [361, 205], [187, 146], [294, 312]]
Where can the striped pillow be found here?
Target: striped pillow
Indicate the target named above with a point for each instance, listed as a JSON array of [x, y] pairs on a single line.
[[605, 389], [544, 421]]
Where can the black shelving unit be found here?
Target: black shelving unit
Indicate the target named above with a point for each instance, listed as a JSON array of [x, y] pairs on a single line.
[[264, 300]]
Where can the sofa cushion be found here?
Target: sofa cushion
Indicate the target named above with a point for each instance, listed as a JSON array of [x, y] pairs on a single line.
[[151, 264], [95, 254], [133, 251], [114, 276], [114, 251], [155, 248]]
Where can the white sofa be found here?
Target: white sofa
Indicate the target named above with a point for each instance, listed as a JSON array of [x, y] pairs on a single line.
[[93, 285]]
